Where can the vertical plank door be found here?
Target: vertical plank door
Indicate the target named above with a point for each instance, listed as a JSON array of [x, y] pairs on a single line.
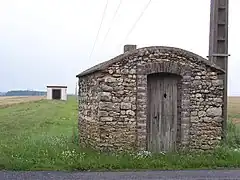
[[162, 113]]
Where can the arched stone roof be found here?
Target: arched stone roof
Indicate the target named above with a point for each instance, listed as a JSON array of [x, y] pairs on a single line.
[[163, 49]]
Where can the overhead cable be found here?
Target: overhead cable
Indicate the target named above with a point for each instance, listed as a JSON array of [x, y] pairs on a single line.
[[114, 16], [140, 16], [103, 15]]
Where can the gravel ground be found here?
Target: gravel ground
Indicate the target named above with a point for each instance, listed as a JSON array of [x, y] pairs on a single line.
[[146, 175]]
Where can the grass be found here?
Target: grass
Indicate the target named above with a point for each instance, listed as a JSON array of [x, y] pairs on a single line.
[[39, 136]]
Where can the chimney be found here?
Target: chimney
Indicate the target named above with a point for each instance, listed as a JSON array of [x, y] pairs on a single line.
[[129, 47]]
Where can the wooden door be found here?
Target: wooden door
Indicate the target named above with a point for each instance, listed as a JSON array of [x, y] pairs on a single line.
[[162, 113]]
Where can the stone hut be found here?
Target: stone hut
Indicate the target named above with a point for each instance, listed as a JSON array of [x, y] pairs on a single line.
[[153, 98]]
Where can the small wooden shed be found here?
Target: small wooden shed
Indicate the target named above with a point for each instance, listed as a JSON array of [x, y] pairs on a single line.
[[57, 92], [154, 98]]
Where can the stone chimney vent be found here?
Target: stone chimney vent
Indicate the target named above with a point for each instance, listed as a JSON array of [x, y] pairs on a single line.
[[129, 47]]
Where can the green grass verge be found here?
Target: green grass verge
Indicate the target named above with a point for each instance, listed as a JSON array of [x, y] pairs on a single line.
[[39, 136]]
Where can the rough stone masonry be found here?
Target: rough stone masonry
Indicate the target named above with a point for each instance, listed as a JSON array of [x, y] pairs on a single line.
[[113, 99]]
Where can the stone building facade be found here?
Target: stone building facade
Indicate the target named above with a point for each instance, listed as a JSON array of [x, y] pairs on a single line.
[[115, 101]]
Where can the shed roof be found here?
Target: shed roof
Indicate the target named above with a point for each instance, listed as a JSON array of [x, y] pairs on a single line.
[[56, 86], [163, 49]]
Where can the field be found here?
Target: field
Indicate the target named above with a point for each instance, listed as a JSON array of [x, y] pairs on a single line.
[[234, 109], [42, 135], [6, 101]]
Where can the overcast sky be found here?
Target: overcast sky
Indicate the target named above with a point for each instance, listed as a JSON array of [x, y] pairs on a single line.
[[48, 42]]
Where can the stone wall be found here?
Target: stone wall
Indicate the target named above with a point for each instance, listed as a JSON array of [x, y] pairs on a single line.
[[119, 113], [88, 123], [117, 107], [206, 109]]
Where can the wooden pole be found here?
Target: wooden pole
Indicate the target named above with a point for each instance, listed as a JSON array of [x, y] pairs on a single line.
[[218, 45]]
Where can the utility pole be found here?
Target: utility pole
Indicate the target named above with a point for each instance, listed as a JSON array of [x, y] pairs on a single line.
[[218, 45], [76, 91]]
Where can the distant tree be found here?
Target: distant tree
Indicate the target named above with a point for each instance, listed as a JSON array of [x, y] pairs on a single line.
[[25, 93]]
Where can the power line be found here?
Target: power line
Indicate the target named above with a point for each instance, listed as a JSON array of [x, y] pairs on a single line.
[[114, 16], [145, 8], [103, 15]]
